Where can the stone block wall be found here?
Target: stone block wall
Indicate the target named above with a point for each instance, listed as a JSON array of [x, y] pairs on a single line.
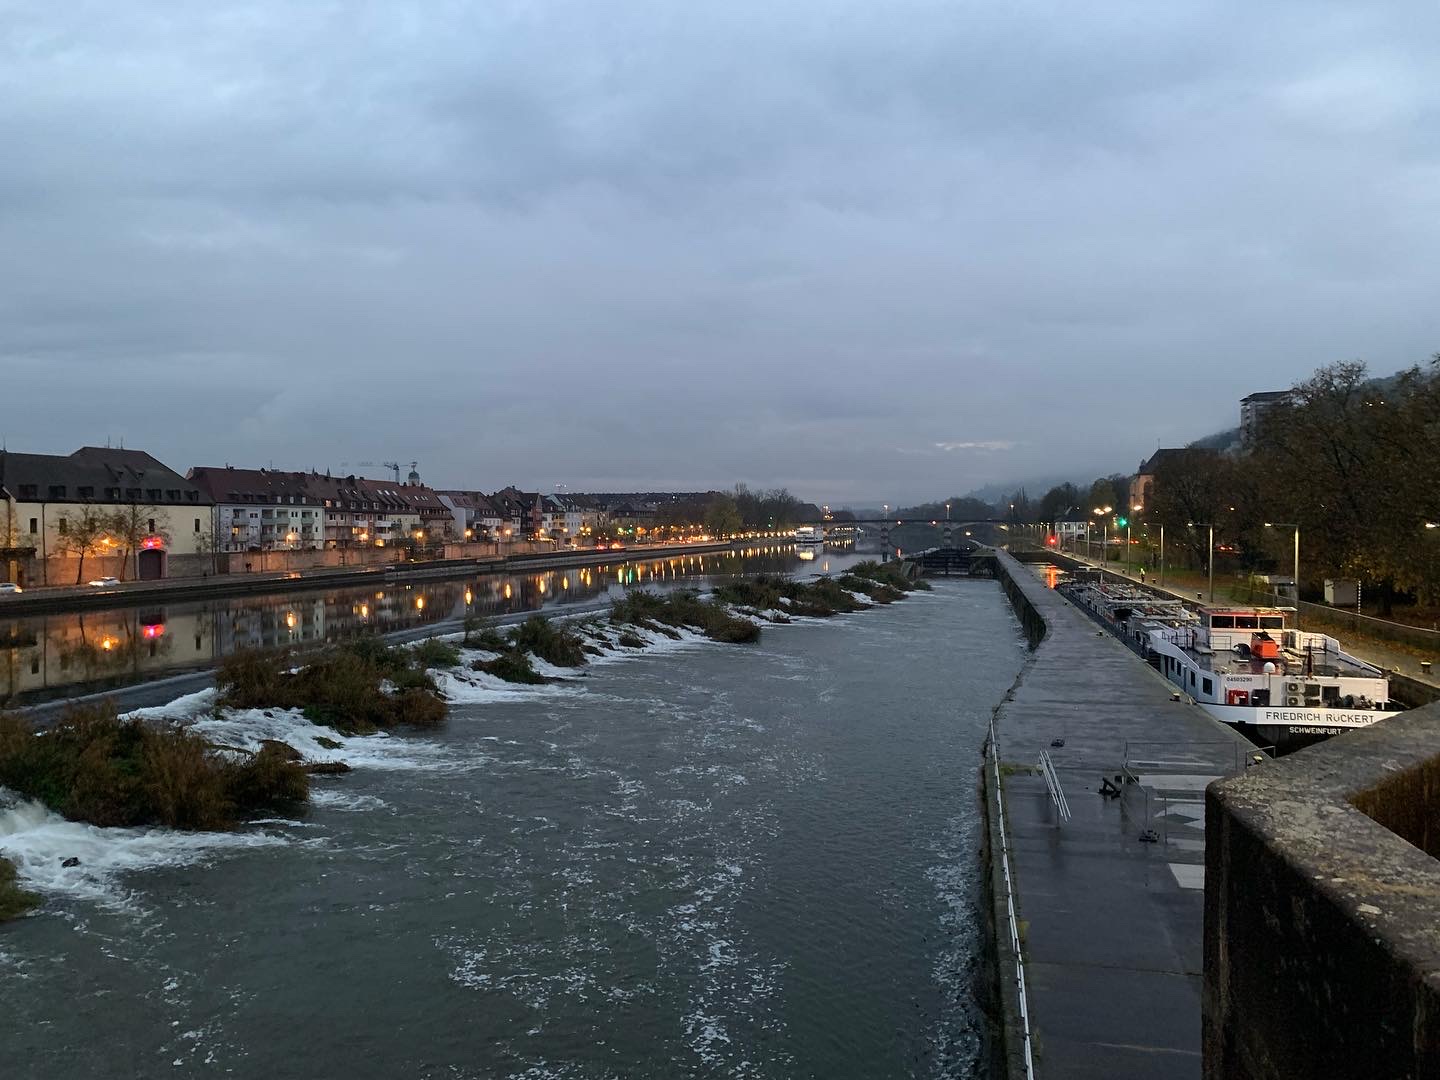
[[1322, 917]]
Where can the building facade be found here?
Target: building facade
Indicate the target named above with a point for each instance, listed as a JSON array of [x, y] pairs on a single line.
[[112, 511], [1253, 408], [262, 509]]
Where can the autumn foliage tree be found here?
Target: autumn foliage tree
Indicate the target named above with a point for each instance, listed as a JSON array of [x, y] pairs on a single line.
[[1352, 461]]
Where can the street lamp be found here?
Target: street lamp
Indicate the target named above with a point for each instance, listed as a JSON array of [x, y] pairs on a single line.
[[1102, 512], [1137, 508], [1292, 525], [1209, 553]]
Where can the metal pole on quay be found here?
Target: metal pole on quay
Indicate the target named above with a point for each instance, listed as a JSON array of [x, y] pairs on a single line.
[[1209, 552]]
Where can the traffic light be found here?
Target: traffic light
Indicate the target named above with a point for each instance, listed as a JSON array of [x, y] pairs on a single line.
[[1122, 522]]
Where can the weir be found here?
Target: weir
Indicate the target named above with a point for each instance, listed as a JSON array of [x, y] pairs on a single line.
[[1109, 903]]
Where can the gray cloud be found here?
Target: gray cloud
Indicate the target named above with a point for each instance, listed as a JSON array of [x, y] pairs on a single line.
[[654, 244]]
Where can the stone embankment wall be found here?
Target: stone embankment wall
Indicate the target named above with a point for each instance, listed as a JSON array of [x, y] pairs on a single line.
[[1030, 619], [1322, 910]]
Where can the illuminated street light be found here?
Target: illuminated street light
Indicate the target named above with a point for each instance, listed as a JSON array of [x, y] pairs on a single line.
[[1100, 512]]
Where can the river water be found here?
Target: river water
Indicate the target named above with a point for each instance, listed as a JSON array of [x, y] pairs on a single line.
[[700, 860]]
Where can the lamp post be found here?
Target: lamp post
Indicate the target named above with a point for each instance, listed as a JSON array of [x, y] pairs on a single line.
[[1162, 554], [1209, 553], [1292, 525], [1104, 512], [1137, 508]]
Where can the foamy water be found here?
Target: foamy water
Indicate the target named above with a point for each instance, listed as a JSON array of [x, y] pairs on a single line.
[[40, 841]]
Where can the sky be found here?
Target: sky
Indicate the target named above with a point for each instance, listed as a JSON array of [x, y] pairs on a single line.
[[880, 251]]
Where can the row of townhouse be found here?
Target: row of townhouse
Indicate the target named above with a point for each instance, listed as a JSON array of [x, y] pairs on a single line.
[[105, 511], [566, 517], [272, 510]]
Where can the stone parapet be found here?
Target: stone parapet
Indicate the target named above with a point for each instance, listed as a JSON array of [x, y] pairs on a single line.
[[1322, 910]]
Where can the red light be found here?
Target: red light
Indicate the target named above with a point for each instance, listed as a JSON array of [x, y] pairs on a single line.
[[1050, 540], [151, 542], [152, 631]]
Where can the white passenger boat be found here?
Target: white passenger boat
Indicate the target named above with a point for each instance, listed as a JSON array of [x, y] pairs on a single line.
[[1245, 665], [809, 536]]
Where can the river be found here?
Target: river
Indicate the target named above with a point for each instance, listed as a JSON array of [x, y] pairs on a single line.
[[702, 860]]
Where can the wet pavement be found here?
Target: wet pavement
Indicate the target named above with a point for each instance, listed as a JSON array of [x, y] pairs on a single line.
[[1112, 901]]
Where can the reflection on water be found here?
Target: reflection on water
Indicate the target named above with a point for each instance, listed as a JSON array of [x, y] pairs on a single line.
[[47, 656]]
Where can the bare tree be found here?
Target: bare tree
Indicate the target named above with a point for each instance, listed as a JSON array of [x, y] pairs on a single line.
[[132, 525], [84, 535]]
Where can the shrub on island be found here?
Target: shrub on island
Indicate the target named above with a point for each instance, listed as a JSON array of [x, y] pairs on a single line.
[[358, 687], [889, 574], [878, 591], [95, 766], [513, 666], [679, 609], [550, 641]]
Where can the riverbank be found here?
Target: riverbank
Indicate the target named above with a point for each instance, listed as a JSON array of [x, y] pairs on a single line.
[[1100, 962], [67, 598]]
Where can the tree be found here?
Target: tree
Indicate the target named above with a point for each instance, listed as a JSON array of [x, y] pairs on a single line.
[[1015, 507], [962, 508], [132, 525], [723, 517], [1351, 460], [84, 536], [1193, 485], [773, 509], [1111, 491], [208, 544], [1060, 501]]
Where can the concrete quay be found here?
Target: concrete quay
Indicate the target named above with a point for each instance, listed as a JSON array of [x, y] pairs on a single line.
[[1109, 905]]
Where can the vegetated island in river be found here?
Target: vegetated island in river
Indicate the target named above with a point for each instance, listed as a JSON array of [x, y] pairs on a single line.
[[97, 766]]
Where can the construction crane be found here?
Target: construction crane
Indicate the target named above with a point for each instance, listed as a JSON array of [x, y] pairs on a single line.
[[394, 466]]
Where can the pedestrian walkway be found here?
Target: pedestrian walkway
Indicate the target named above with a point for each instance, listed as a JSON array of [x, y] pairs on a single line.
[[1111, 900]]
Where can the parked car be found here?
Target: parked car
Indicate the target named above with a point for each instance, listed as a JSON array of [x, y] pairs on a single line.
[[9, 588], [103, 582]]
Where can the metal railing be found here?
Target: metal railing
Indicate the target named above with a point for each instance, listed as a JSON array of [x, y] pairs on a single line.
[[1052, 781], [1014, 924]]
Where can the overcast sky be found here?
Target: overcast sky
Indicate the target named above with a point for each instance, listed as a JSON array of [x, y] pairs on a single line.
[[871, 251]]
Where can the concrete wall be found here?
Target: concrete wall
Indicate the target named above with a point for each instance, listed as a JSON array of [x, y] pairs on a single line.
[[1030, 619], [1322, 917]]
